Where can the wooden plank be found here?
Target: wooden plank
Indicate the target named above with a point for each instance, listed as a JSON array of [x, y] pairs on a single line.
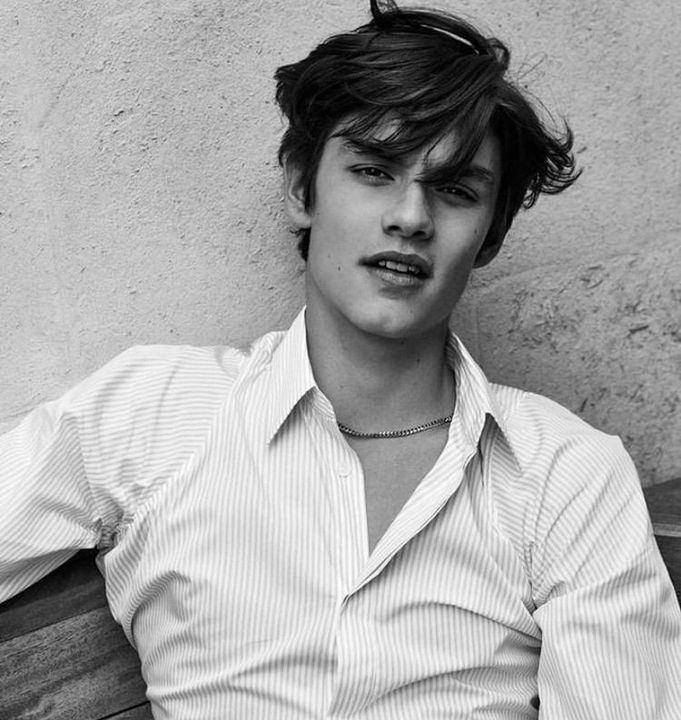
[[666, 526], [74, 588], [664, 505], [141, 712], [665, 500], [82, 668], [670, 549]]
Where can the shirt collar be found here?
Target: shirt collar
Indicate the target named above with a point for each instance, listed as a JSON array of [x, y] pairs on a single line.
[[476, 403], [291, 379], [291, 375]]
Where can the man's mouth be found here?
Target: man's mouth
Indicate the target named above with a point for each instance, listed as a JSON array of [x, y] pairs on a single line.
[[399, 267], [410, 265]]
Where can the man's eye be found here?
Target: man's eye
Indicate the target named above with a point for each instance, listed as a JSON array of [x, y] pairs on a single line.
[[459, 191], [371, 173]]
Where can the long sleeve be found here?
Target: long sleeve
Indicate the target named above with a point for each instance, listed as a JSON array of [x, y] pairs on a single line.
[[75, 467], [610, 621], [47, 511]]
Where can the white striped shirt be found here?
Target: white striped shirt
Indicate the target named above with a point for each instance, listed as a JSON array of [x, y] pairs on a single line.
[[231, 519]]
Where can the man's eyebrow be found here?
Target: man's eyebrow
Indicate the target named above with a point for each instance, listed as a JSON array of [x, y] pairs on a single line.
[[479, 172], [378, 149], [444, 173]]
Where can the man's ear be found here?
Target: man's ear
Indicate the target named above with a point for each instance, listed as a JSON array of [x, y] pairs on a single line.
[[493, 242], [487, 253], [294, 196]]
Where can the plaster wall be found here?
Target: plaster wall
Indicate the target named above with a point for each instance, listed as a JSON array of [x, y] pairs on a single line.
[[141, 203]]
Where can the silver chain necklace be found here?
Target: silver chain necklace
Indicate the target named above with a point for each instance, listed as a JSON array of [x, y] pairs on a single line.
[[388, 434]]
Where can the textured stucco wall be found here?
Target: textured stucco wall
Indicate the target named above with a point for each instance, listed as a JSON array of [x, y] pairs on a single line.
[[140, 197]]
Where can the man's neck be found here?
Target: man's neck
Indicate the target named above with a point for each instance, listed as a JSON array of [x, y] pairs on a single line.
[[377, 383]]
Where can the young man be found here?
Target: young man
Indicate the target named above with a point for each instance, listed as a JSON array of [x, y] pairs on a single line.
[[349, 520]]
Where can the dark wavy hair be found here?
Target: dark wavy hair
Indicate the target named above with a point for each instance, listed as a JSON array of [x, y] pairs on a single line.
[[427, 73]]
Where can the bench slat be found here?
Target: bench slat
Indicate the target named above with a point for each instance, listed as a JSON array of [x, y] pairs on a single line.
[[664, 505], [670, 549], [74, 588], [82, 667], [665, 500], [141, 712]]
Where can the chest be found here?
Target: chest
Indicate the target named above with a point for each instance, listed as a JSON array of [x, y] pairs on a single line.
[[392, 469], [260, 562]]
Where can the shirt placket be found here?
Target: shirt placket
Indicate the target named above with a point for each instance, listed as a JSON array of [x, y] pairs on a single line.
[[354, 680], [351, 519], [345, 486], [355, 642]]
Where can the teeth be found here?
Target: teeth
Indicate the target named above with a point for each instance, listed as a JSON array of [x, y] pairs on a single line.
[[399, 267]]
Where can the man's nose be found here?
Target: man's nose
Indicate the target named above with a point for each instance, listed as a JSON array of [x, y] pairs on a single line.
[[409, 213]]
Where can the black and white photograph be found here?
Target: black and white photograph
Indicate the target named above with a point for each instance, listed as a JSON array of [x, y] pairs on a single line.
[[340, 360]]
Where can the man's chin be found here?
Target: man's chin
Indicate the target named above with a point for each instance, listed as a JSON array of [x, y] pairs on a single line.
[[400, 329]]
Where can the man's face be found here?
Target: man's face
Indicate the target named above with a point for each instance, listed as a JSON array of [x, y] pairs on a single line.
[[390, 253]]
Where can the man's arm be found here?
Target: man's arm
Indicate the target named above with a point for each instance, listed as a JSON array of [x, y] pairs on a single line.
[[46, 508], [77, 468], [71, 470], [610, 621]]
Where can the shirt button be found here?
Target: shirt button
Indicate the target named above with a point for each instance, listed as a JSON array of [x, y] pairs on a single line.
[[343, 468]]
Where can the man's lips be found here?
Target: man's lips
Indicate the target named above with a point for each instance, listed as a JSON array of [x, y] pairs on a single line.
[[405, 263]]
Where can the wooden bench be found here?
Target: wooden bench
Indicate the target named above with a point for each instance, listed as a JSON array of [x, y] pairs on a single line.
[[62, 657]]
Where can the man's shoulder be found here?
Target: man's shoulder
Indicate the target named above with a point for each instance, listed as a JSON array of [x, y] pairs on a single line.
[[143, 367], [222, 361], [518, 405], [539, 428], [168, 375], [563, 461]]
